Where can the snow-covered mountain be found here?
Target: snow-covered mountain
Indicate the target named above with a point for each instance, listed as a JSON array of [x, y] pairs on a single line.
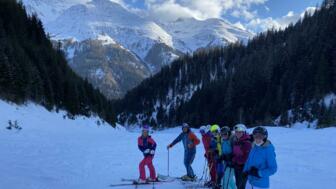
[[189, 34], [49, 10], [156, 44], [85, 21]]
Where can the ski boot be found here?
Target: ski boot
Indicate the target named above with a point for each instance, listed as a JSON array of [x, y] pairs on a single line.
[[141, 181], [188, 178], [153, 180]]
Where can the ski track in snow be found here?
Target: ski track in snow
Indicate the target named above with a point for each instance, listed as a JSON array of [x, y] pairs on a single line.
[[52, 153]]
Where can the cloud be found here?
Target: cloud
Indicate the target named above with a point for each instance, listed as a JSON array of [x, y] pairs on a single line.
[[239, 25], [259, 25], [244, 13], [118, 1], [243, 10], [168, 10]]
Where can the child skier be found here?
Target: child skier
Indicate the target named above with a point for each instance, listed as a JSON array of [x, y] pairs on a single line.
[[216, 148], [147, 146], [228, 178]]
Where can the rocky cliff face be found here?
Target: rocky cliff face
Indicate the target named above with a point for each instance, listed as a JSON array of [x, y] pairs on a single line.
[[108, 66]]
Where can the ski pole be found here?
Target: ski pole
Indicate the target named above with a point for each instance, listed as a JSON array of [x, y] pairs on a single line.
[[203, 173], [168, 162]]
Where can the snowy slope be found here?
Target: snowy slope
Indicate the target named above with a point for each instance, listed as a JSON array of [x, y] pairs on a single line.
[[85, 21], [189, 34], [51, 9], [51, 153]]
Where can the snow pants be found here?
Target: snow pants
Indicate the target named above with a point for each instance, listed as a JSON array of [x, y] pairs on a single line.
[[228, 179], [212, 168], [147, 161], [189, 157], [241, 179], [220, 172]]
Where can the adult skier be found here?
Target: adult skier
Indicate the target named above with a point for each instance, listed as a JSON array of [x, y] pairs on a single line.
[[261, 162], [206, 139], [147, 146], [228, 178], [190, 141], [241, 149]]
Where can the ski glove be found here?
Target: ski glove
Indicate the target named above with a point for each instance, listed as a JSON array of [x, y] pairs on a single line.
[[152, 152], [147, 151], [254, 172]]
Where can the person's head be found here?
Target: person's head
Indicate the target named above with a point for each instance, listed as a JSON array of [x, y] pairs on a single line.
[[225, 132], [214, 129], [203, 130], [240, 130], [185, 127], [145, 130], [260, 135]]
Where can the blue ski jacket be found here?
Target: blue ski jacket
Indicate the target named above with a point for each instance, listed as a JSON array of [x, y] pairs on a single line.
[[263, 158]]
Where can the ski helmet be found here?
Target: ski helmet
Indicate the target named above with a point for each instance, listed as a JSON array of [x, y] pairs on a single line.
[[146, 128], [226, 130], [240, 127], [185, 125], [214, 128], [204, 129], [260, 130]]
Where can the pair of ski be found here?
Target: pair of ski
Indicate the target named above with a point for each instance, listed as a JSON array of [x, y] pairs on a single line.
[[160, 179], [135, 182]]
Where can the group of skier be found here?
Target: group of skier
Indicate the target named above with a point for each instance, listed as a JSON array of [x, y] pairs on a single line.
[[236, 160]]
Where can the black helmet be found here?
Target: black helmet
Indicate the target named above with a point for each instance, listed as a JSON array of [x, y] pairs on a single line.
[[260, 130], [225, 130]]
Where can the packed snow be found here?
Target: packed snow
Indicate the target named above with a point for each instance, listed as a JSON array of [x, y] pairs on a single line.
[[53, 152]]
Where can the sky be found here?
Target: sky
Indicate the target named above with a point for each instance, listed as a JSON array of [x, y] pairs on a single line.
[[254, 15]]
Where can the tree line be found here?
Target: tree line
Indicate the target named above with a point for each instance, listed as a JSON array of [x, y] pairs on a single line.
[[31, 69]]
